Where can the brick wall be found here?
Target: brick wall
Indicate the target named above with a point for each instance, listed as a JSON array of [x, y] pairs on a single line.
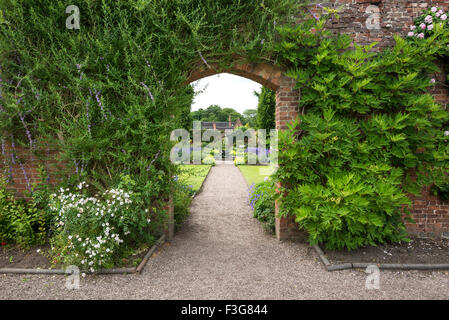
[[366, 21], [20, 167]]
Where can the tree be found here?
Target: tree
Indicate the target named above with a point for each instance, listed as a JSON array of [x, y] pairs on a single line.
[[215, 113], [250, 117], [266, 109]]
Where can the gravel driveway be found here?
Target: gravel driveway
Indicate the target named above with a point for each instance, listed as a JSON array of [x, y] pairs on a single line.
[[223, 253]]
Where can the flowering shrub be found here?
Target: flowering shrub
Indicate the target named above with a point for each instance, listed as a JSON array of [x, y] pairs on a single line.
[[91, 230], [262, 199], [424, 26]]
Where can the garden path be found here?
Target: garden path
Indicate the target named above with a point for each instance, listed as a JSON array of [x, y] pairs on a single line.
[[223, 253]]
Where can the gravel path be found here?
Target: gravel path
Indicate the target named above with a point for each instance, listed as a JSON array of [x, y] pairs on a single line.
[[223, 253]]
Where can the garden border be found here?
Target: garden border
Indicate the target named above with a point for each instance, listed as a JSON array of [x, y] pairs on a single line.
[[384, 266], [202, 183], [133, 270]]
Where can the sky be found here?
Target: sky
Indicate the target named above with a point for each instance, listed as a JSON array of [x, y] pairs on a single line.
[[227, 91]]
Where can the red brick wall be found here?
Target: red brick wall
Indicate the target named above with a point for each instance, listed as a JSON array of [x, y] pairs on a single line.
[[20, 167], [394, 17]]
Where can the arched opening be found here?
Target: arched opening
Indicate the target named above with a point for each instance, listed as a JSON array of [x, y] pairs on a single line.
[[286, 108]]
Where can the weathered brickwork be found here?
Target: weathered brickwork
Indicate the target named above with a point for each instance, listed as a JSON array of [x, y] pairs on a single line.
[[366, 21]]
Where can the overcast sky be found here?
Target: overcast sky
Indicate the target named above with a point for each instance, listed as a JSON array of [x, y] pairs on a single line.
[[227, 91]]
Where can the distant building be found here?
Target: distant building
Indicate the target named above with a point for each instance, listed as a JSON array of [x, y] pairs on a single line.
[[222, 125]]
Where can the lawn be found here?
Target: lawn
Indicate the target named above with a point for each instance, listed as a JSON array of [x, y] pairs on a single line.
[[193, 175], [254, 174]]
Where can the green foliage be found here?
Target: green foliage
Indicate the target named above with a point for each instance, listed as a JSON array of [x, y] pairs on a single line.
[[250, 118], [441, 191], [266, 109], [185, 117], [430, 19], [216, 113], [107, 96], [193, 176], [182, 197], [21, 222], [368, 133], [92, 231], [262, 201], [254, 174]]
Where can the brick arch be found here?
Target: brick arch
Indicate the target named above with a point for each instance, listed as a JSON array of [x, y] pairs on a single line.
[[270, 76]]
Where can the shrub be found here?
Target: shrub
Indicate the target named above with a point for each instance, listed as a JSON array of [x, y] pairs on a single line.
[[266, 108], [182, 197], [21, 222], [262, 201], [92, 231], [367, 134], [209, 159], [424, 26]]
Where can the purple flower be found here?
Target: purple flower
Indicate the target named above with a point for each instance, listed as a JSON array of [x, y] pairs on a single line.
[[88, 120], [434, 9], [97, 97], [22, 119], [204, 60], [443, 17], [423, 26], [432, 80], [148, 89]]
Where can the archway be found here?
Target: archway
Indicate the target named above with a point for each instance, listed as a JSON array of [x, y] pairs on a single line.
[[287, 98]]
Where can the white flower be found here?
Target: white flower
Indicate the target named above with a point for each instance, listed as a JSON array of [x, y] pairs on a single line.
[[83, 274], [38, 250], [443, 17], [446, 133], [434, 9]]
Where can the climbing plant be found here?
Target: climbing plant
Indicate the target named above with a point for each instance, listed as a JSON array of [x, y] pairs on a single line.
[[103, 99], [367, 135]]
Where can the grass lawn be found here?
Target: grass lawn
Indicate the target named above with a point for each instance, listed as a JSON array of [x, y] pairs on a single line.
[[254, 174], [193, 175]]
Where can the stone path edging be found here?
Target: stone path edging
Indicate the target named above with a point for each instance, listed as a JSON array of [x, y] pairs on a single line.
[[385, 266], [132, 270]]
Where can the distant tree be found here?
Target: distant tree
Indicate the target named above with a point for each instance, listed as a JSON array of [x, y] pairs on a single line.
[[226, 112], [250, 118], [215, 113], [266, 109]]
